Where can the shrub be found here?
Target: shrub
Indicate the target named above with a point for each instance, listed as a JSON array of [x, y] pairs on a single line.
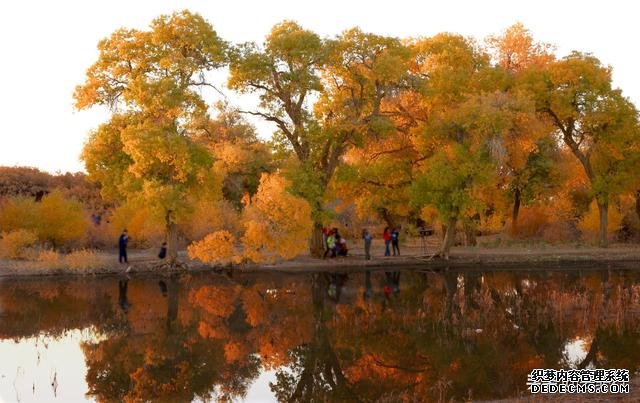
[[84, 259], [19, 213], [59, 221], [13, 244], [217, 247], [62, 222], [50, 259], [277, 222]]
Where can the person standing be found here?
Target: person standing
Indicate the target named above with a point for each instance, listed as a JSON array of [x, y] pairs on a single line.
[[163, 251], [386, 235], [122, 246], [331, 245], [395, 240], [367, 243]]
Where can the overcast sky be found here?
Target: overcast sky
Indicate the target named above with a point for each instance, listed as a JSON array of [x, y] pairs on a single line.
[[47, 46]]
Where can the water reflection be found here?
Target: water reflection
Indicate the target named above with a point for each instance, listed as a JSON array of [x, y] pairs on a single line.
[[324, 337]]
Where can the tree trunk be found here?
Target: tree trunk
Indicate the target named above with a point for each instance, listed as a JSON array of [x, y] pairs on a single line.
[[603, 208], [638, 203], [316, 243], [448, 238], [172, 239], [516, 211], [470, 234]]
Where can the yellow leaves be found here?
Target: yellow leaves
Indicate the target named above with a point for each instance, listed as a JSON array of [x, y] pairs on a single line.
[[143, 224], [14, 243], [277, 223], [217, 247], [55, 219], [590, 223]]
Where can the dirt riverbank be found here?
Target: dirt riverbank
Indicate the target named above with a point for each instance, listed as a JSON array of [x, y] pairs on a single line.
[[467, 258]]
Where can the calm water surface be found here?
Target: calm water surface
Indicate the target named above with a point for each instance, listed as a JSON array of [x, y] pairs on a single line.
[[411, 336]]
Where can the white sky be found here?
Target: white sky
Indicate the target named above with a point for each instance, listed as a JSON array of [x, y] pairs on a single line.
[[46, 46]]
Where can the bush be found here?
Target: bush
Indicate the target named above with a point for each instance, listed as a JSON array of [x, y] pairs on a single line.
[[84, 259], [56, 220], [50, 259], [277, 222], [217, 247], [61, 222], [13, 244]]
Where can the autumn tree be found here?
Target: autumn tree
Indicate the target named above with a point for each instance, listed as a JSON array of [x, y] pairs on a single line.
[[241, 157], [594, 121], [150, 80], [527, 161], [463, 129], [348, 77]]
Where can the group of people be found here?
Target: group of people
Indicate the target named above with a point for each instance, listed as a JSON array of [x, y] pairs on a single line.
[[390, 237], [334, 243]]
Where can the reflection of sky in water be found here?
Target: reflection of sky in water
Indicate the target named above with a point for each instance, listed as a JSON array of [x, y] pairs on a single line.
[[574, 352], [28, 368]]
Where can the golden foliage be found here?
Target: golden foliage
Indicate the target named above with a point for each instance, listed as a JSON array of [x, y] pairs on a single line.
[[589, 224], [57, 220], [141, 221], [210, 216], [84, 259], [50, 259], [13, 244], [61, 221], [276, 222], [217, 247]]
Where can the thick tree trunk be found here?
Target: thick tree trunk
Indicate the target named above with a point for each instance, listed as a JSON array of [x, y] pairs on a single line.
[[470, 234], [603, 208], [516, 211], [448, 238], [316, 242], [172, 238]]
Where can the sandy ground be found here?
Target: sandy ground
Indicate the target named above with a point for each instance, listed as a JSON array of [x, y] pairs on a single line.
[[414, 256]]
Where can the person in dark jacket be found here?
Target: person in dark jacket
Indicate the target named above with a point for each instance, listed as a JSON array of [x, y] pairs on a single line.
[[395, 240], [122, 247], [163, 251]]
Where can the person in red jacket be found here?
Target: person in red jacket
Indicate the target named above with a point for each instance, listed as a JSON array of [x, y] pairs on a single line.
[[386, 235]]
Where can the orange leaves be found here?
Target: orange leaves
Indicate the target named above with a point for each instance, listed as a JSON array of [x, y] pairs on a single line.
[[276, 222], [14, 243], [217, 247], [57, 220]]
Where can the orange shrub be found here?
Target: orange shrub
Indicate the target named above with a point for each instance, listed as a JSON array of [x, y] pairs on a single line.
[[217, 247], [84, 259], [277, 222], [57, 220], [13, 244], [50, 259], [532, 222], [62, 222]]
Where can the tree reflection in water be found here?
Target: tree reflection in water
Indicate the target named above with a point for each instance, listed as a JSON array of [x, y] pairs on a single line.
[[333, 337]]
